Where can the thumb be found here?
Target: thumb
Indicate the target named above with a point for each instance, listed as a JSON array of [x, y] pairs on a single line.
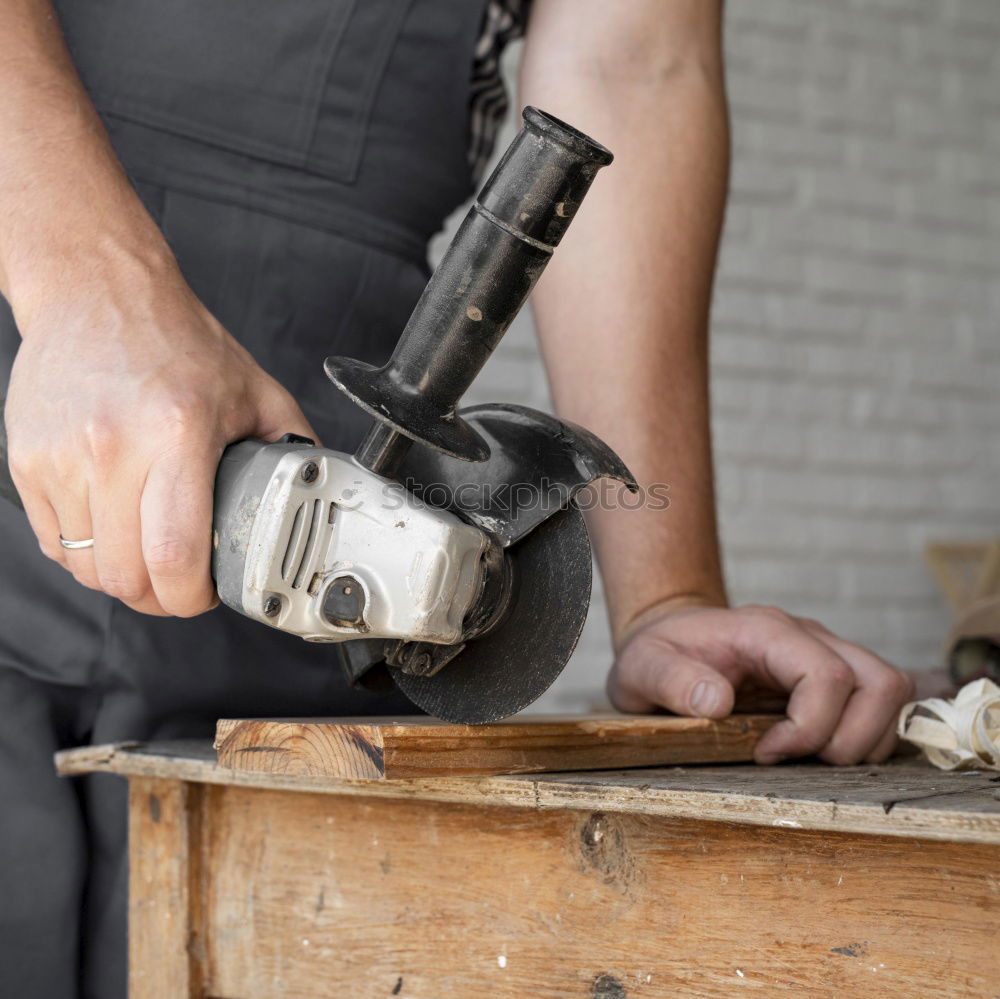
[[650, 674]]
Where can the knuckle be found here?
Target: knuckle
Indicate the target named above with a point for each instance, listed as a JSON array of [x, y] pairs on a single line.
[[22, 460], [170, 557], [768, 623], [889, 683], [180, 413], [623, 697], [122, 584], [34, 462], [102, 438], [839, 675], [639, 678]]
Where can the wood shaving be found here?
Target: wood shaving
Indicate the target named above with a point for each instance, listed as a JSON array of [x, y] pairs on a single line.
[[960, 734]]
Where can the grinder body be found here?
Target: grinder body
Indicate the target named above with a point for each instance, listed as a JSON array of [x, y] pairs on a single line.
[[308, 541]]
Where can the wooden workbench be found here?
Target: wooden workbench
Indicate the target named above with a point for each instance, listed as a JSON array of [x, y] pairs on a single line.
[[697, 881]]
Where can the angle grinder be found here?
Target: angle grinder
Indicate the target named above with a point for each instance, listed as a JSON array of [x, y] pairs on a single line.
[[445, 555]]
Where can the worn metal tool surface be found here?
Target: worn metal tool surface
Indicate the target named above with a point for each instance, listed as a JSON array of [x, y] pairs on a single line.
[[446, 555]]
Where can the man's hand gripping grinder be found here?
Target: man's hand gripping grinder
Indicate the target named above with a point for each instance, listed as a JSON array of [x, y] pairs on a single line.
[[447, 553]]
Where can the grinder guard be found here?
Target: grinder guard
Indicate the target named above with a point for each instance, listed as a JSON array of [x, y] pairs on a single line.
[[537, 465], [522, 496]]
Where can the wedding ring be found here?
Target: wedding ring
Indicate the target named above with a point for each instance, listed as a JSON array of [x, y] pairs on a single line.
[[85, 543]]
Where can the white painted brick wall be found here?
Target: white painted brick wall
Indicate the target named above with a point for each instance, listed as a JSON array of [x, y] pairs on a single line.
[[856, 351]]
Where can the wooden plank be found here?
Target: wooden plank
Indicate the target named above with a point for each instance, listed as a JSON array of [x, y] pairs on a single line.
[[386, 748], [164, 895], [317, 896], [903, 798]]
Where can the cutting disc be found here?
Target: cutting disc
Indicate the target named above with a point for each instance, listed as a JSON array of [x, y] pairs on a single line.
[[513, 665]]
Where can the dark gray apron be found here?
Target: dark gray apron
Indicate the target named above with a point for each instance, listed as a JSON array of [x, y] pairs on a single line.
[[298, 155]]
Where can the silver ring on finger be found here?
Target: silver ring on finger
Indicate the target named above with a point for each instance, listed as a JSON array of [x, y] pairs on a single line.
[[73, 545]]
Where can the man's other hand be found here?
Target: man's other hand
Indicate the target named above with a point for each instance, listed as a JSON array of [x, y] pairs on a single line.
[[843, 700], [123, 396]]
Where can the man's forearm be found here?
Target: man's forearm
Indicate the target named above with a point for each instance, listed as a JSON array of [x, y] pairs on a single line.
[[64, 197], [623, 309]]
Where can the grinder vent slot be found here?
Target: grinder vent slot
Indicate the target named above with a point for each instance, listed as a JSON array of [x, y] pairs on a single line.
[[312, 538], [302, 540], [296, 544]]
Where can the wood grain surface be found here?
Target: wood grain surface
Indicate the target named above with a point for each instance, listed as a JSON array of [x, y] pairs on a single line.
[[905, 797], [164, 892], [386, 748], [311, 895]]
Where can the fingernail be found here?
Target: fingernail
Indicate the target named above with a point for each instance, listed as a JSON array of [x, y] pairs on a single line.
[[704, 698]]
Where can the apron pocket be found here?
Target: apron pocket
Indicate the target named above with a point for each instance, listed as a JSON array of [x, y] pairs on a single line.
[[291, 82]]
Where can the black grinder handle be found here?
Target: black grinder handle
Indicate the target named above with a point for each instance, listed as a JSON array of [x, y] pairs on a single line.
[[487, 273], [519, 218]]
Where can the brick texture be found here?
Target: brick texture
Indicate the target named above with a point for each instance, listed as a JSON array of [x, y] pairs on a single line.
[[856, 351]]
